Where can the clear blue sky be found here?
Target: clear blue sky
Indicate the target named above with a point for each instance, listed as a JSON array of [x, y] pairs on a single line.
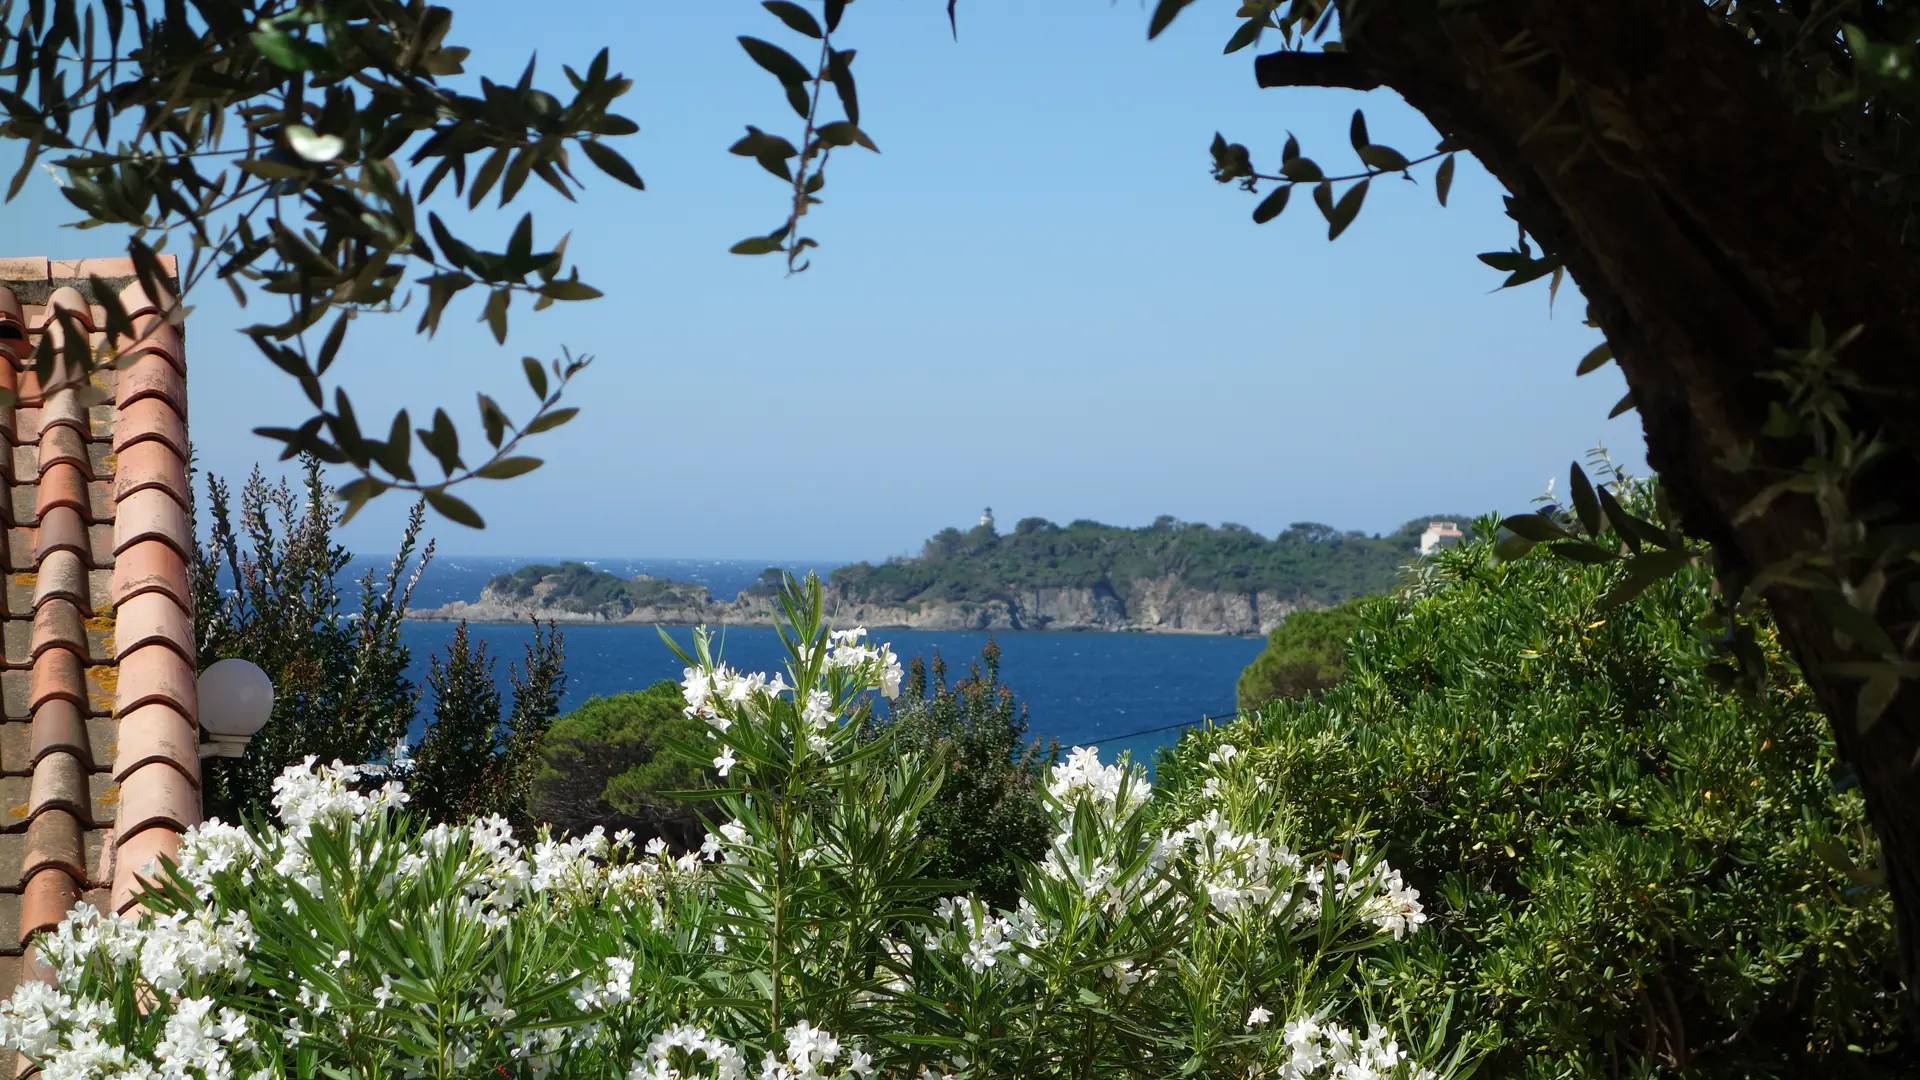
[[1035, 298]]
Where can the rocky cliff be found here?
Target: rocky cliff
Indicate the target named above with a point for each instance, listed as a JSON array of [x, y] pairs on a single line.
[[1157, 605]]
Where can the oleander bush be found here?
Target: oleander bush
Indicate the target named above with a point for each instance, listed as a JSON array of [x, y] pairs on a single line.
[[801, 941], [1633, 871]]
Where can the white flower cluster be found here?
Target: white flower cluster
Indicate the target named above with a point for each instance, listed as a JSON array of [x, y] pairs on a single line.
[[706, 689], [810, 1055], [66, 1032], [877, 662], [683, 1052], [1237, 869], [982, 939], [1082, 776], [1313, 1049], [711, 694]]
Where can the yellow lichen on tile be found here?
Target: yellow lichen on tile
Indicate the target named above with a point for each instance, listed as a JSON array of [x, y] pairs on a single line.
[[26, 580], [103, 687], [109, 795], [19, 811]]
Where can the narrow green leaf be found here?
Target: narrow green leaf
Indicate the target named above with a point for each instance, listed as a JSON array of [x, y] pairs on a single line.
[[1536, 527], [508, 468], [550, 420], [1384, 158], [1443, 179], [1346, 210], [536, 376], [569, 289], [840, 73], [1582, 552], [1624, 405], [610, 162], [1247, 34], [454, 510], [756, 245], [776, 60], [1163, 16], [356, 494], [797, 18], [1875, 696], [1591, 362], [1357, 131], [1271, 206], [1585, 503]]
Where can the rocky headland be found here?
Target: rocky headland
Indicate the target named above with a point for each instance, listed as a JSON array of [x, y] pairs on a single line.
[[1170, 577]]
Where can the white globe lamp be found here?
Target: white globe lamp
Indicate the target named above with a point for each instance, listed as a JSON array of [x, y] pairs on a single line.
[[236, 698]]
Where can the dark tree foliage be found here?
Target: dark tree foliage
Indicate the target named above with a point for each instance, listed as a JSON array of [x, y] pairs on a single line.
[[1630, 870], [472, 760], [604, 764], [292, 150], [1768, 352], [1305, 654], [340, 688], [986, 819]]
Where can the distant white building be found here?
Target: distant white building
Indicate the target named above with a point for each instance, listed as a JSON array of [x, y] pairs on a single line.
[[986, 517], [1439, 534]]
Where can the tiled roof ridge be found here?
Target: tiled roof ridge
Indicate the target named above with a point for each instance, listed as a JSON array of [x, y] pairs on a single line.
[[99, 765]]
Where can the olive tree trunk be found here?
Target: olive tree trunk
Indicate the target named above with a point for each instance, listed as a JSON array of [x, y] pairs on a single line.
[[1706, 228]]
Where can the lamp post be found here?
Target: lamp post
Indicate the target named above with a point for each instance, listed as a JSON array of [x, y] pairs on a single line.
[[236, 698]]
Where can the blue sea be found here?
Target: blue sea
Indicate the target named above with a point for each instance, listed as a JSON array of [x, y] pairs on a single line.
[[1120, 691]]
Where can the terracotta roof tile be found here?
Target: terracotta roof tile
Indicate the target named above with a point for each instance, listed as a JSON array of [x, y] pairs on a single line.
[[97, 509], [58, 674], [149, 565], [61, 725], [138, 857], [49, 895], [150, 418], [151, 464], [62, 576], [156, 794], [60, 783], [135, 301], [80, 269], [53, 840], [63, 484], [63, 444], [152, 375], [68, 299], [61, 529], [58, 624], [155, 673], [152, 514], [62, 408], [149, 619], [157, 733]]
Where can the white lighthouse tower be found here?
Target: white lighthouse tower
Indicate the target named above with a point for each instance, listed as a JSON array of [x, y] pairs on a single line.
[[986, 517]]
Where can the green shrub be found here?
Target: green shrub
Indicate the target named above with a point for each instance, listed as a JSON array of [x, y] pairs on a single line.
[[986, 820], [339, 676], [473, 760], [1630, 865], [1305, 654], [803, 940], [604, 764]]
